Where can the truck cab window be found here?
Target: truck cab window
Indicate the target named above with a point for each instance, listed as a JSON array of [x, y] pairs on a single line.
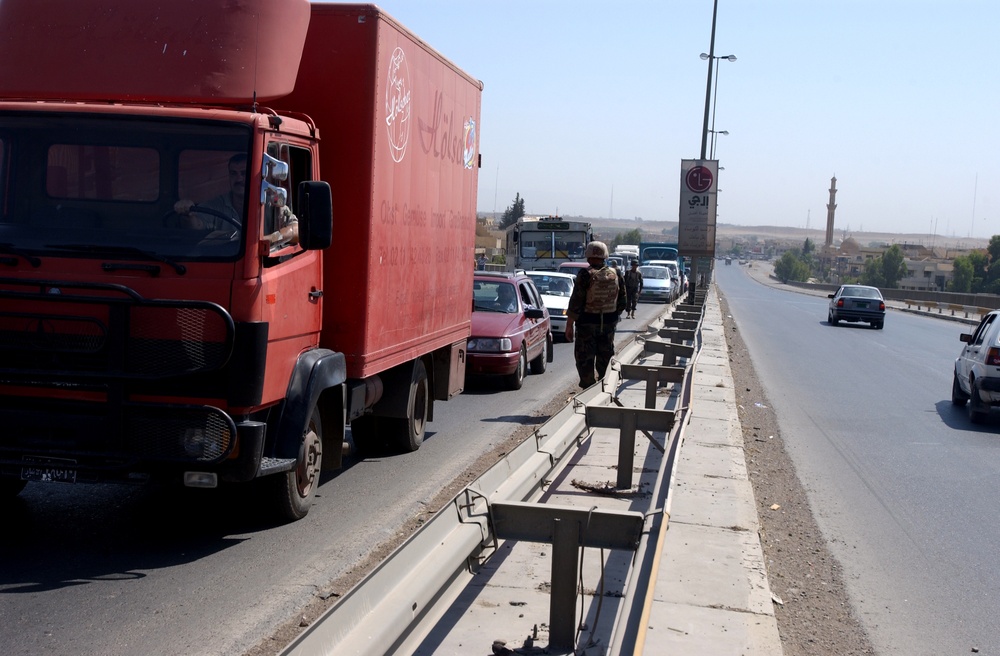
[[276, 216]]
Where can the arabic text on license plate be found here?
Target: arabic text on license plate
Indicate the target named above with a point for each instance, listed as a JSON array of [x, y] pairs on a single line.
[[48, 470], [862, 304]]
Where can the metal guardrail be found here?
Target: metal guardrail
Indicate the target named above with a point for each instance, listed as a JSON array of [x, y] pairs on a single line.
[[969, 311], [391, 609]]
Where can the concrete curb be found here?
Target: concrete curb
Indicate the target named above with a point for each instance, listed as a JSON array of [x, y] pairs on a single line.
[[712, 593]]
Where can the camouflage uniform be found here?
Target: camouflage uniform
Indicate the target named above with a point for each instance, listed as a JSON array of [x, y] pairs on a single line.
[[633, 285], [595, 331]]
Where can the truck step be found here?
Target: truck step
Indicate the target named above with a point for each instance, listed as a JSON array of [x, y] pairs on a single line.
[[275, 465]]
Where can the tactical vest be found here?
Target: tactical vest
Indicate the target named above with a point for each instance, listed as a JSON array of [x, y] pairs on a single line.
[[602, 292]]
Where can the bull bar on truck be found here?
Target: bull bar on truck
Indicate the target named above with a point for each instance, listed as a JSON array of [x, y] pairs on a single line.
[[76, 357]]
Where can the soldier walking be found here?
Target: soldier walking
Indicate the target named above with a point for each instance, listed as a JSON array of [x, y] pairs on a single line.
[[633, 285], [595, 306]]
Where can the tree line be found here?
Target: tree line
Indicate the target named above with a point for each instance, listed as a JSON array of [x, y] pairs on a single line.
[[801, 264], [978, 272]]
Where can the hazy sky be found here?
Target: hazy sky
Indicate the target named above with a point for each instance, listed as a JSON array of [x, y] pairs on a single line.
[[589, 107]]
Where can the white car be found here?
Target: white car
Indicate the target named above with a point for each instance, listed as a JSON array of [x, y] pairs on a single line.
[[675, 274], [977, 369], [657, 285], [555, 289]]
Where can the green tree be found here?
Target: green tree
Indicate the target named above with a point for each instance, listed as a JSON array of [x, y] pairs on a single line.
[[994, 248], [893, 266], [791, 267], [513, 212], [808, 247], [633, 237], [962, 275], [980, 261], [872, 275]]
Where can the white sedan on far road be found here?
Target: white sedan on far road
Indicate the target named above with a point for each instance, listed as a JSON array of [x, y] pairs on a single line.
[[555, 289]]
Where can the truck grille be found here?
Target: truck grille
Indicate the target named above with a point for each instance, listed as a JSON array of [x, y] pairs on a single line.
[[107, 331]]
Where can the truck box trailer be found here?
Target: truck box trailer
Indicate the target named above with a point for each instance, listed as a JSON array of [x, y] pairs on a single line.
[[227, 234]]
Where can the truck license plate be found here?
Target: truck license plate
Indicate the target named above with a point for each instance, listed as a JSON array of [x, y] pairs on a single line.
[[49, 470]]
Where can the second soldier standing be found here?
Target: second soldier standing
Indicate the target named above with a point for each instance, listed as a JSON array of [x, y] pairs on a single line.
[[595, 306]]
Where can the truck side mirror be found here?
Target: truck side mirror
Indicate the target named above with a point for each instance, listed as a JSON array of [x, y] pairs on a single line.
[[315, 215]]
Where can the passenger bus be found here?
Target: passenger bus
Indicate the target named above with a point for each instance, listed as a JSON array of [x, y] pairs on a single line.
[[542, 243]]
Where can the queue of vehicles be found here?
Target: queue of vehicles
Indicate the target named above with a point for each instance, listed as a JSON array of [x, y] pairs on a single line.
[[149, 334]]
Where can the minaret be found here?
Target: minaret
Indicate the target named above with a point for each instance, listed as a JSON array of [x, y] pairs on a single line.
[[830, 209]]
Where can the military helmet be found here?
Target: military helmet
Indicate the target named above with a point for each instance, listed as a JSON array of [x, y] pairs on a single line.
[[596, 249]]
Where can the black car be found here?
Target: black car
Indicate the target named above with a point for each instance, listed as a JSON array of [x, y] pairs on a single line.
[[857, 303]]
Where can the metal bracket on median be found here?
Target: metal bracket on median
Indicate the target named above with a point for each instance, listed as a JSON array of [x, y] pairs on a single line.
[[678, 334], [676, 322], [566, 528], [670, 350], [653, 376], [628, 421]]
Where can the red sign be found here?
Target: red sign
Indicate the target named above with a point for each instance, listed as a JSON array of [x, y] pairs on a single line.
[[699, 179]]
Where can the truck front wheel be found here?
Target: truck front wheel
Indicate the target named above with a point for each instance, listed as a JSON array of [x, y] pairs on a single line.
[[295, 488]]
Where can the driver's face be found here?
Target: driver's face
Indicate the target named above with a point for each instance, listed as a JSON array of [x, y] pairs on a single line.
[[238, 178]]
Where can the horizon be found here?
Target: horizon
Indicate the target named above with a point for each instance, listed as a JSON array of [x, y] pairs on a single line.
[[588, 110]]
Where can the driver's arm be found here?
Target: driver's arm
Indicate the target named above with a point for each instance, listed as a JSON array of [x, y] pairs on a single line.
[[288, 233]]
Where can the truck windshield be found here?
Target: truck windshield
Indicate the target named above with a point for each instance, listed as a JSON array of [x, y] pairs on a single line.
[[169, 188]]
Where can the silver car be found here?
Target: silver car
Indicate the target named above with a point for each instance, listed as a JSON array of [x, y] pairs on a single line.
[[857, 303], [977, 369]]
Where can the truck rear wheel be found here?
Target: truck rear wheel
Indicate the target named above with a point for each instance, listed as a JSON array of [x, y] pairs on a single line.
[[295, 488], [407, 433]]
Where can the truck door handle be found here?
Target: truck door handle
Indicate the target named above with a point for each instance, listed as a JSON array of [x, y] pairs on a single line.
[[316, 293]]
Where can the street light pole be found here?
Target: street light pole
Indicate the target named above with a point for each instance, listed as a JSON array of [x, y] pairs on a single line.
[[708, 85], [715, 136], [715, 93]]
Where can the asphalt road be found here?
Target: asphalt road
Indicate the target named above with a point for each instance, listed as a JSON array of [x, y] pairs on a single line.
[[902, 485], [117, 570]]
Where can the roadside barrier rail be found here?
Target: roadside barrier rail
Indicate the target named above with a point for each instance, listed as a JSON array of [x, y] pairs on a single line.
[[393, 609]]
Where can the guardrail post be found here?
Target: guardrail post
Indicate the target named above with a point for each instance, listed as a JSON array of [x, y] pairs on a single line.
[[678, 334], [628, 421], [653, 376], [566, 528], [562, 601], [669, 350], [676, 322]]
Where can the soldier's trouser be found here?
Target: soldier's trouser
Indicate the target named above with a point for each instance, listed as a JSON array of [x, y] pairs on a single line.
[[594, 346], [632, 295]]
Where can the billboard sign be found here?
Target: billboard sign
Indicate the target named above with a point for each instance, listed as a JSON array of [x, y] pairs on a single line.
[[699, 188]]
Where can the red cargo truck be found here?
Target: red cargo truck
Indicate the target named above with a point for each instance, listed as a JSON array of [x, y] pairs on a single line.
[[161, 313]]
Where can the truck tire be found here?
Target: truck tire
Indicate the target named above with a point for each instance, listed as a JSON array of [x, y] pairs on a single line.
[[407, 433], [295, 488]]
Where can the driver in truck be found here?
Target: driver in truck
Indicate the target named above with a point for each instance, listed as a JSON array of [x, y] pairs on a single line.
[[230, 204]]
